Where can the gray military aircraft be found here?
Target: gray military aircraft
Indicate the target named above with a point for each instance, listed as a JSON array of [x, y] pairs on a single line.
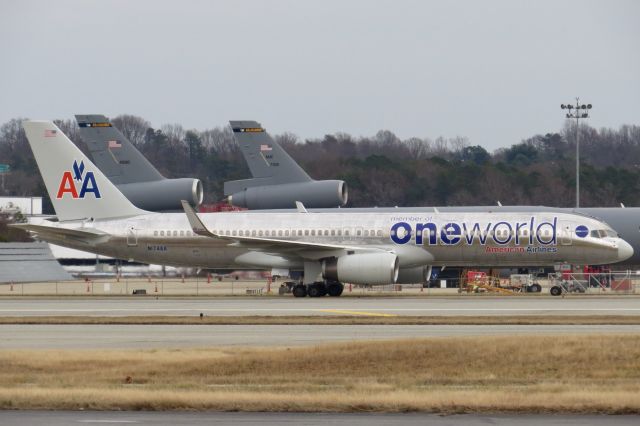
[[131, 172], [278, 181], [331, 248], [252, 193]]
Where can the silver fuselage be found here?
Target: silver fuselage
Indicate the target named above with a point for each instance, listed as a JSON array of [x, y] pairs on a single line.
[[423, 238]]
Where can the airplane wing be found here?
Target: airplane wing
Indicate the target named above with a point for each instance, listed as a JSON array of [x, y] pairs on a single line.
[[85, 235], [200, 228]]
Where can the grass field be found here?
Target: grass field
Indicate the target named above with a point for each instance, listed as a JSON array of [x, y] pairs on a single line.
[[594, 374], [360, 319]]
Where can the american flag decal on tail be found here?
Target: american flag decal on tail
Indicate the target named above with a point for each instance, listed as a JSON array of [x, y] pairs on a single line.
[[114, 144], [50, 133]]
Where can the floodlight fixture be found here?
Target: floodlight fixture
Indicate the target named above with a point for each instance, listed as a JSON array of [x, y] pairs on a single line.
[[577, 115]]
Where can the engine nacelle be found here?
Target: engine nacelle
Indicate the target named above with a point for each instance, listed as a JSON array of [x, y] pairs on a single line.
[[417, 275], [362, 268], [313, 194], [162, 195]]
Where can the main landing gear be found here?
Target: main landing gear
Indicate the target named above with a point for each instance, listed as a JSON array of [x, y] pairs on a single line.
[[318, 289]]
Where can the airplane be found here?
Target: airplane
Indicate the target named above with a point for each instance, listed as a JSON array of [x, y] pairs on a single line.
[[131, 172], [277, 182], [624, 220], [332, 248]]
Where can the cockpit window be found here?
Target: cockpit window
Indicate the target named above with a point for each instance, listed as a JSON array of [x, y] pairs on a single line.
[[603, 233]]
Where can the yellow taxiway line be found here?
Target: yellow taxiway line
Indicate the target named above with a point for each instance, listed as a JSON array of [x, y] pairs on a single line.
[[368, 314]]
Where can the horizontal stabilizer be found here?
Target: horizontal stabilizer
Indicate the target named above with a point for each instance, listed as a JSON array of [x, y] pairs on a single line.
[[89, 236]]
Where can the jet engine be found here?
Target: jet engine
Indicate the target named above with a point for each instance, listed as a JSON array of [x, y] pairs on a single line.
[[163, 195], [362, 268], [317, 194], [417, 275]]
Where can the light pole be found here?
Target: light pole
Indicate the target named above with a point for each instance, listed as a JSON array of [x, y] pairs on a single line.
[[577, 111]]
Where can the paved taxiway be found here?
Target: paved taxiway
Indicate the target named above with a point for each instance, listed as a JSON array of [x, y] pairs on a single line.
[[244, 306], [74, 336], [60, 418]]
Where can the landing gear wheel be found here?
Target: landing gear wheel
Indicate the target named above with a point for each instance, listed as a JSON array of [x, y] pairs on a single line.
[[300, 290], [556, 290], [335, 289], [317, 289]]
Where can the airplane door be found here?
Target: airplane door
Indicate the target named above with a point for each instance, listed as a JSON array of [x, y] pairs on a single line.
[[132, 236], [566, 238]]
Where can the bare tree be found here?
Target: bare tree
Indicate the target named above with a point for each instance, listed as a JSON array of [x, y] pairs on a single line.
[[132, 127]]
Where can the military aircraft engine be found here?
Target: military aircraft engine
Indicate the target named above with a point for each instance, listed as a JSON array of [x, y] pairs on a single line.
[[163, 195], [319, 194], [419, 274], [362, 268]]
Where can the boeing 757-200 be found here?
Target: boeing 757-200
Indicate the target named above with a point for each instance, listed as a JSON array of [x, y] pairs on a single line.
[[331, 248]]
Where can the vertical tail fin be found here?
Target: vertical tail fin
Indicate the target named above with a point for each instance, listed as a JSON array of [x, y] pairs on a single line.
[[113, 153], [78, 189], [268, 162]]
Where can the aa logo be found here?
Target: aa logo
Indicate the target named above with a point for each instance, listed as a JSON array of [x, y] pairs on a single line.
[[70, 182]]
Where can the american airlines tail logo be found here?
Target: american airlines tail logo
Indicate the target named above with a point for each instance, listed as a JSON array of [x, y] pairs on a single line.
[[77, 177]]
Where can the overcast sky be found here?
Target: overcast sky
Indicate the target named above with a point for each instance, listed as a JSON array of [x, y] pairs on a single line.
[[493, 71]]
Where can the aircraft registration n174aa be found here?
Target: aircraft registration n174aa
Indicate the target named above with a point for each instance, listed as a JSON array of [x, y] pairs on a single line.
[[331, 248]]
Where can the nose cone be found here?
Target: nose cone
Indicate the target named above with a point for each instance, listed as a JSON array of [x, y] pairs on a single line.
[[625, 250]]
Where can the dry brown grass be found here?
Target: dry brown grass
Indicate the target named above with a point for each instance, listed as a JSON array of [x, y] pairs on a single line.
[[331, 320], [533, 374]]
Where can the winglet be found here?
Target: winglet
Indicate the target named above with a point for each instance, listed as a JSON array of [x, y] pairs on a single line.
[[300, 207], [196, 224]]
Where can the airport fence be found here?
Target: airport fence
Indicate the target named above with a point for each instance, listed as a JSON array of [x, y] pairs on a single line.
[[626, 282], [609, 283]]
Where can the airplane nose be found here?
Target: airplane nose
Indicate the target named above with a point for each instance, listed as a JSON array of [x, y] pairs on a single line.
[[625, 250]]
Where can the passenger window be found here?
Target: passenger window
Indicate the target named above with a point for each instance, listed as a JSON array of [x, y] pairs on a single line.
[[253, 233], [366, 232], [175, 233], [286, 232], [182, 233], [358, 232], [155, 233], [234, 233], [326, 232], [346, 232], [333, 232], [313, 232], [260, 233], [162, 233], [306, 232]]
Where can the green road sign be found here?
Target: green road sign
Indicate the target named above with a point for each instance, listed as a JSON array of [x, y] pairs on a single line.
[[4, 168]]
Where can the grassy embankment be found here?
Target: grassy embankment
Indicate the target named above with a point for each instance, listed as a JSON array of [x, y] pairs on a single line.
[[488, 374]]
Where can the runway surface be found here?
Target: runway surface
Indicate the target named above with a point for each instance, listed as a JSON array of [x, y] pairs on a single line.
[[72, 336], [64, 418], [244, 306]]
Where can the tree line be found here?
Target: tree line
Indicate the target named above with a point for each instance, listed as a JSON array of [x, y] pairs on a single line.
[[382, 170]]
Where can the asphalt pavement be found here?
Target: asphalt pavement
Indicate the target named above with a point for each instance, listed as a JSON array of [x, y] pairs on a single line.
[[65, 418], [248, 306], [82, 336]]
